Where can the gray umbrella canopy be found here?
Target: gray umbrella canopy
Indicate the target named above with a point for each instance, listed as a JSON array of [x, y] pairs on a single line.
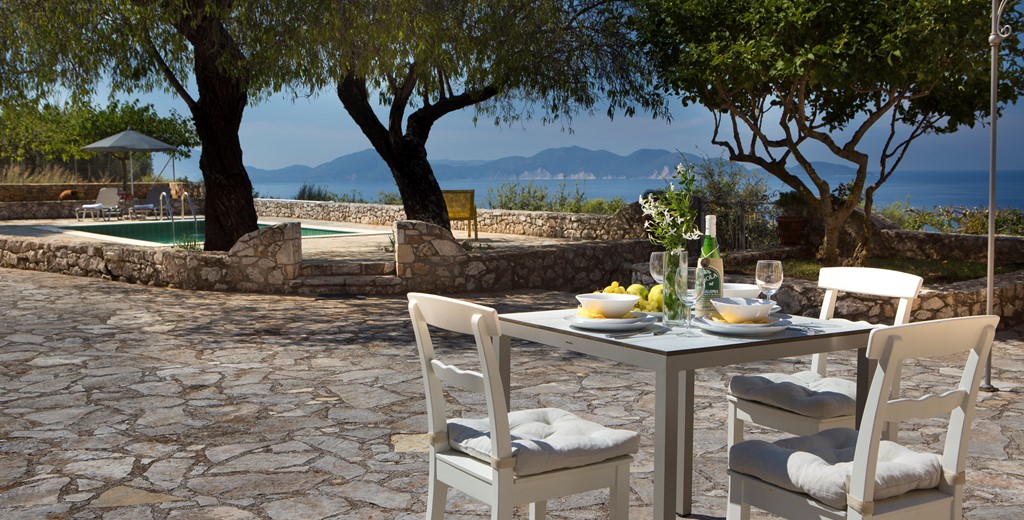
[[129, 141]]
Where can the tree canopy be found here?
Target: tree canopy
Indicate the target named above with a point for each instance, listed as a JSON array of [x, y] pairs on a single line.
[[785, 78], [505, 59], [38, 135], [216, 55]]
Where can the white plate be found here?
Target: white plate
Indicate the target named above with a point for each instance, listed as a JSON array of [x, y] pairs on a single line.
[[743, 329], [640, 321]]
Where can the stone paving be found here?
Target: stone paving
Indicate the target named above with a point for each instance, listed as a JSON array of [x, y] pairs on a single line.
[[126, 402]]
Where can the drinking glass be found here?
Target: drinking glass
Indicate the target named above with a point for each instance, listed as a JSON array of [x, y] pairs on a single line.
[[686, 287], [657, 265], [768, 276]]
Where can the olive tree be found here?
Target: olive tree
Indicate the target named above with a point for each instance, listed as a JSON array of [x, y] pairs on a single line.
[[504, 59], [216, 55], [787, 78]]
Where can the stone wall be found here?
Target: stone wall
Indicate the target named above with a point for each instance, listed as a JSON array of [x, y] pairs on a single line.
[[53, 209], [627, 224], [429, 258], [262, 261], [84, 191], [897, 243]]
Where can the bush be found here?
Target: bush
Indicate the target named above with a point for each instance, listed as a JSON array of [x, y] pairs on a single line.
[[954, 219], [528, 197], [726, 190], [389, 197], [311, 192]]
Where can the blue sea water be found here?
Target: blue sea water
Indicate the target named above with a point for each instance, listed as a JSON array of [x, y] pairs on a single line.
[[918, 188]]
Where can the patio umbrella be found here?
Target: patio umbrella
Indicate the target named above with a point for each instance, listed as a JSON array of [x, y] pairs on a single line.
[[127, 142]]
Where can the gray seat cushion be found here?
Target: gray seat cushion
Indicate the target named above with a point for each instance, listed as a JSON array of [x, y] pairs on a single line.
[[545, 439], [806, 393], [820, 465]]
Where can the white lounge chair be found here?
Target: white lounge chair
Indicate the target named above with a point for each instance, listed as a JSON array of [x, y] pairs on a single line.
[[506, 459], [107, 205]]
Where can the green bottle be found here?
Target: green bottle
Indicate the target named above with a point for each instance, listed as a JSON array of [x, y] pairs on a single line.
[[710, 270]]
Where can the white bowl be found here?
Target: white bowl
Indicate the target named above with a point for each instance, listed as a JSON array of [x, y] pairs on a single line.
[[742, 310], [740, 290], [609, 305]]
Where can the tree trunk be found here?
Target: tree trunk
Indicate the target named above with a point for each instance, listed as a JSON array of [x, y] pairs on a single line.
[[405, 155], [869, 228], [420, 191], [217, 114]]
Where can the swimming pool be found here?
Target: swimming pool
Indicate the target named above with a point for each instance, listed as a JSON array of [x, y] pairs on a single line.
[[168, 232]]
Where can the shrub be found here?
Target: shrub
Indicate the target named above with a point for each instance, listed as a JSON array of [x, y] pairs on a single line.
[[389, 197], [537, 198], [311, 192]]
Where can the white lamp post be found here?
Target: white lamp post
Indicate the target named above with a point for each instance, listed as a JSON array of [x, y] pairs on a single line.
[[999, 32]]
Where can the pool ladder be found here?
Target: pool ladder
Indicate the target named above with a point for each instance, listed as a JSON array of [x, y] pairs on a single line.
[[185, 199]]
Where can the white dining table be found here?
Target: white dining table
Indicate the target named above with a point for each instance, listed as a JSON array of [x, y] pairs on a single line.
[[674, 358]]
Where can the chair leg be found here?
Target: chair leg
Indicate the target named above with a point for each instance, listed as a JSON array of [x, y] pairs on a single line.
[[437, 496], [538, 510], [737, 508], [619, 494], [735, 427]]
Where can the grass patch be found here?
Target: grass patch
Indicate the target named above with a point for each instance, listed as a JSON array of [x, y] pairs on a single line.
[[933, 271]]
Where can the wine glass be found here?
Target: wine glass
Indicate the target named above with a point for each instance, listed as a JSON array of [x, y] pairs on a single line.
[[686, 287], [657, 265], [768, 276]]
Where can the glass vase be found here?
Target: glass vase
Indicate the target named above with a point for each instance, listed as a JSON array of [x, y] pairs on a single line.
[[674, 309]]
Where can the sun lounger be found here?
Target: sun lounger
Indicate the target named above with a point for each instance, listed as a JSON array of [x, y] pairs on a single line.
[[153, 204], [107, 205]]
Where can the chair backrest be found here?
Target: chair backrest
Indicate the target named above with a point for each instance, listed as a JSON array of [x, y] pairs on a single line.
[[869, 281], [890, 346], [108, 197], [460, 204], [427, 311]]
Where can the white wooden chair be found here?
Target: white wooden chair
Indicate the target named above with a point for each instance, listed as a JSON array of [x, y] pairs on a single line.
[[507, 459], [846, 474], [809, 402]]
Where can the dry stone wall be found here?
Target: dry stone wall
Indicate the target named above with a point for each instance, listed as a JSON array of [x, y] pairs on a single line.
[[262, 261], [429, 258], [627, 224]]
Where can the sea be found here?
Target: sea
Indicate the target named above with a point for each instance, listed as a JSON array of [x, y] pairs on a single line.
[[914, 188]]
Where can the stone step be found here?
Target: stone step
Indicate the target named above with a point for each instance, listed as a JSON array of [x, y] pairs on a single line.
[[347, 268], [348, 285]]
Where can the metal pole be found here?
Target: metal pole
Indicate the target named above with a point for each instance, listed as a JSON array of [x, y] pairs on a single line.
[[994, 40]]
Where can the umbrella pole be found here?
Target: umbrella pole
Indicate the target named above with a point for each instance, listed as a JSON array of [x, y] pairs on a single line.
[[994, 40]]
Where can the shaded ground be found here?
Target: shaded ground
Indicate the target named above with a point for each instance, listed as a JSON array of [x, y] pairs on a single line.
[[128, 402]]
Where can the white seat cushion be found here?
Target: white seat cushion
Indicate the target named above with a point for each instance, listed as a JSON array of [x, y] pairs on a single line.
[[92, 206], [545, 439], [806, 393], [820, 465]]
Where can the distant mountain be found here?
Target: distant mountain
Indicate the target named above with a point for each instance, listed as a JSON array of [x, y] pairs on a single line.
[[553, 163]]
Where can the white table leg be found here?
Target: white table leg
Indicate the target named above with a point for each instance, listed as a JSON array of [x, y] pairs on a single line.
[[667, 440], [684, 493]]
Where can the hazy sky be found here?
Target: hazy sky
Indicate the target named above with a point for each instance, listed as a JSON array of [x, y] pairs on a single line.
[[280, 132]]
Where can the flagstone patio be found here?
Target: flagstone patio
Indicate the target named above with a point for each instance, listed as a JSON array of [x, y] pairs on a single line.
[[121, 401]]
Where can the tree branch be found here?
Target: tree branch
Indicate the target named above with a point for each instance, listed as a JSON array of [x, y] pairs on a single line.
[[355, 98], [421, 121], [169, 74], [402, 94]]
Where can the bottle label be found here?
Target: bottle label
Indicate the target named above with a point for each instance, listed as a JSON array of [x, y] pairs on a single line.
[[709, 276]]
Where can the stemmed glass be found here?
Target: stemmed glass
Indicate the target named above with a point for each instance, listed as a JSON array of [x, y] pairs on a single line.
[[657, 265], [768, 276], [687, 288]]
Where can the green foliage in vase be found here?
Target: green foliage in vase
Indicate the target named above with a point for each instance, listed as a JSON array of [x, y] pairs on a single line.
[[671, 215]]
